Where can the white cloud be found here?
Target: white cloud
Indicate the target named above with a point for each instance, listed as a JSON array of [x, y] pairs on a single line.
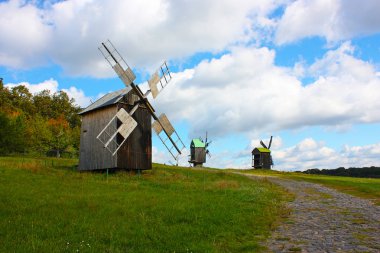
[[164, 157], [68, 32], [309, 154], [243, 91], [25, 33], [52, 85], [332, 19], [78, 95], [227, 159], [159, 156], [276, 143]]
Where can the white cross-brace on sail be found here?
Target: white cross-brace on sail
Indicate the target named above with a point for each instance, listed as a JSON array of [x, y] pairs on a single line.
[[109, 137]]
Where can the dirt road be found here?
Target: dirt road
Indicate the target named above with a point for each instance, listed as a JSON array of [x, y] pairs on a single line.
[[325, 220]]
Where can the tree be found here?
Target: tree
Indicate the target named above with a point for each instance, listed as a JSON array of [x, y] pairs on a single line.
[[60, 130], [4, 135], [37, 123], [6, 100], [63, 105], [12, 134], [75, 137], [44, 103], [39, 135], [22, 100]]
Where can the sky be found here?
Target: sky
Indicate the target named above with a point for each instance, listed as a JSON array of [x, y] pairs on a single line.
[[306, 72]]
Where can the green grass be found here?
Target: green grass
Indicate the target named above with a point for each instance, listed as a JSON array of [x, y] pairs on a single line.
[[368, 188], [47, 206]]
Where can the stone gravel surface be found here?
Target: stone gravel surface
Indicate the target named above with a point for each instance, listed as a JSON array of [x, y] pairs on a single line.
[[325, 220]]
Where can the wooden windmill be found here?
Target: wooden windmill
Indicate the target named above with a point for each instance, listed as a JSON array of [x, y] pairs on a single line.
[[198, 151], [116, 129], [261, 156]]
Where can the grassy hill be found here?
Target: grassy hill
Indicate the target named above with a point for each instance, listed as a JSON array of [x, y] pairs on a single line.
[[47, 206]]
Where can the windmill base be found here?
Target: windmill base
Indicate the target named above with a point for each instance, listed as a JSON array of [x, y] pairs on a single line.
[[134, 154]]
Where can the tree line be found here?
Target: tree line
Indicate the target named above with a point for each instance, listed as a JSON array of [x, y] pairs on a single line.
[[370, 172], [39, 124]]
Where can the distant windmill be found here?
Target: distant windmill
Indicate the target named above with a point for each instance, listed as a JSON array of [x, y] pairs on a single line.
[[116, 129], [198, 151], [261, 156]]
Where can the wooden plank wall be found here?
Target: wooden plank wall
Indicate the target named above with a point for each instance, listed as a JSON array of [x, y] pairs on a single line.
[[92, 155], [266, 160], [257, 160], [200, 155], [136, 153], [262, 161], [192, 154]]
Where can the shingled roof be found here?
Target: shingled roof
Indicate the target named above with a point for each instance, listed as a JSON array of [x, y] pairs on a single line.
[[106, 100]]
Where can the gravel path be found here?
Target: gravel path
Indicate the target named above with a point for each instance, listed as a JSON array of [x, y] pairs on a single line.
[[325, 220]]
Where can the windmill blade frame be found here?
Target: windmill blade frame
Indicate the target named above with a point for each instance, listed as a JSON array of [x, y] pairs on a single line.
[[162, 76], [117, 62], [162, 124], [270, 142]]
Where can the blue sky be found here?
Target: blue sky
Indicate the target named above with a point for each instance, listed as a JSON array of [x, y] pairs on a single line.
[[306, 72]]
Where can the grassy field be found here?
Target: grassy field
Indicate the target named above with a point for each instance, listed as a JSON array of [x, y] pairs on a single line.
[[47, 206], [368, 188]]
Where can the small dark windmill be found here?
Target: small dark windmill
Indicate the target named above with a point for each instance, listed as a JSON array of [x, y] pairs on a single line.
[[198, 151], [116, 129], [261, 156]]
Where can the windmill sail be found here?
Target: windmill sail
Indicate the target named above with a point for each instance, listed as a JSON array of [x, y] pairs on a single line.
[[262, 144], [159, 79], [172, 141], [117, 62], [270, 142]]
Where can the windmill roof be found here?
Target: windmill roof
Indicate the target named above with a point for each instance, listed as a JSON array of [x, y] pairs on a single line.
[[106, 100], [262, 150], [197, 143]]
